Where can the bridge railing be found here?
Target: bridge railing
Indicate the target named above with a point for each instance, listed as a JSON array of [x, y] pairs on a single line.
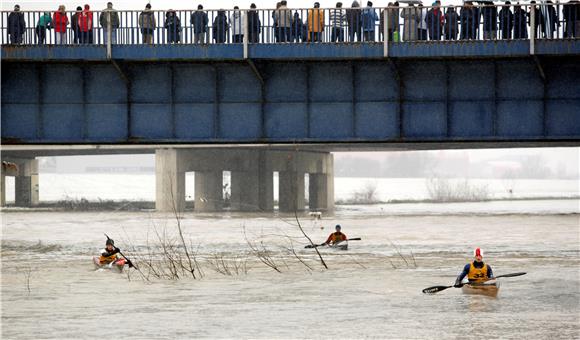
[[410, 23]]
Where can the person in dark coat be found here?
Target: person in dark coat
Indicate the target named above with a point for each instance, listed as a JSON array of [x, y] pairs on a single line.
[[435, 20], [506, 21], [74, 24], [354, 21], [173, 26], [537, 17], [476, 20], [466, 17], [520, 23], [570, 12], [199, 21], [451, 23], [220, 27], [16, 25], [489, 12], [297, 28], [254, 25]]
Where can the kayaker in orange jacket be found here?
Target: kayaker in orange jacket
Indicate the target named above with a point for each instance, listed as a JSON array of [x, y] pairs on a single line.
[[476, 271], [336, 237]]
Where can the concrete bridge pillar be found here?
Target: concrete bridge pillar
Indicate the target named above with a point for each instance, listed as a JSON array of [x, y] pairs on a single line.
[[169, 181], [2, 189], [253, 190], [291, 191], [321, 186], [208, 191], [26, 183]]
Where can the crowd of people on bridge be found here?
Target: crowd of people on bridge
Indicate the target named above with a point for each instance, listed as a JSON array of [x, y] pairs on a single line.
[[413, 22]]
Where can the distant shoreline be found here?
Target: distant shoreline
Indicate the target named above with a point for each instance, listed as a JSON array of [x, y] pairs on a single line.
[[82, 204]]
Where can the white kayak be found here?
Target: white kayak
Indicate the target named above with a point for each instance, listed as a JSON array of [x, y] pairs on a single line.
[[342, 245], [487, 288]]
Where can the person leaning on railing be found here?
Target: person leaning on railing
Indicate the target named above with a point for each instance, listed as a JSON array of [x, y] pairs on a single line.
[[520, 23], [337, 22], [254, 25], [16, 25], [315, 23], [220, 27], [571, 15], [466, 17], [549, 20], [506, 21], [147, 24], [298, 32], [392, 11], [60, 23], [489, 12], [435, 21], [44, 23], [109, 16], [283, 18], [85, 24], [353, 15], [451, 23], [369, 18], [411, 18], [173, 26], [238, 25], [199, 20], [74, 24]]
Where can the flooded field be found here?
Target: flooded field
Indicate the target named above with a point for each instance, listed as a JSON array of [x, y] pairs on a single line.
[[50, 289]]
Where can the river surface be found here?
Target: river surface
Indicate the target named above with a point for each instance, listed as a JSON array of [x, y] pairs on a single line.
[[50, 289]]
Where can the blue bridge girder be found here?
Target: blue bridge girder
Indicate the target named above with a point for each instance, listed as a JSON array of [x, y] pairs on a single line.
[[316, 93]]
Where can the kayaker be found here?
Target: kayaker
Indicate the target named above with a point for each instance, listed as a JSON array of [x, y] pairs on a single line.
[[109, 254], [476, 271], [335, 237]]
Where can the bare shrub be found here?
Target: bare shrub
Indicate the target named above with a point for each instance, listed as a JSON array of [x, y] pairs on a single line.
[[444, 190], [229, 265], [367, 194]]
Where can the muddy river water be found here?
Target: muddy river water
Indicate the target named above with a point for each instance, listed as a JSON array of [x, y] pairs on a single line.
[[50, 289]]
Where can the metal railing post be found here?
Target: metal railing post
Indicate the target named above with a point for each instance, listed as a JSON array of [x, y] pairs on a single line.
[[386, 32], [533, 30], [246, 30], [109, 36]]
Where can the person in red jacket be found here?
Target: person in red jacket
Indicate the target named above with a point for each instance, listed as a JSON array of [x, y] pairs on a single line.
[[336, 237], [85, 26], [60, 22]]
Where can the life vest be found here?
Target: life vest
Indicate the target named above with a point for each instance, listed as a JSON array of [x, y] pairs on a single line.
[[107, 259], [477, 274], [337, 237]]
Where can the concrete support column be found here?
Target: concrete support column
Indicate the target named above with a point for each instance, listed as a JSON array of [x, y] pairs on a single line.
[[321, 189], [2, 190], [169, 181], [245, 191], [209, 191], [266, 185], [291, 191], [26, 184]]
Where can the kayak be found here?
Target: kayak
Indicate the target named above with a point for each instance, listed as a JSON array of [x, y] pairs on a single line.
[[342, 245], [488, 289], [116, 266]]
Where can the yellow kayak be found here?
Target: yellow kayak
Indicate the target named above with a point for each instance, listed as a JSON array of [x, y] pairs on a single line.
[[488, 288]]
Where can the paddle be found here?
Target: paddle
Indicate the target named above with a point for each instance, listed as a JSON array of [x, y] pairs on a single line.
[[131, 265], [436, 289], [322, 244]]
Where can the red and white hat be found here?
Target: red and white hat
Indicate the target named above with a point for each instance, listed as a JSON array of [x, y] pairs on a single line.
[[478, 252]]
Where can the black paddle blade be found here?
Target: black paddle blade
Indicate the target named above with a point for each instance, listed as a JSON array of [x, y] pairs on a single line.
[[311, 246], [435, 289]]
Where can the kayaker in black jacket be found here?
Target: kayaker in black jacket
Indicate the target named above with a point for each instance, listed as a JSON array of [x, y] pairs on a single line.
[[109, 254], [476, 271]]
